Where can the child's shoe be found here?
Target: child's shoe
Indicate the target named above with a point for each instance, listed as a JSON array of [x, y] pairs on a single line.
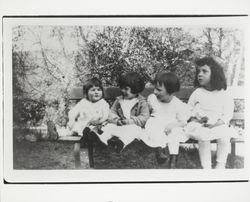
[[220, 165], [161, 157], [119, 145], [116, 144]]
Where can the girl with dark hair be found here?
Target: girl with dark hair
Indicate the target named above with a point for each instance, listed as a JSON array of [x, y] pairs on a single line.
[[89, 112], [129, 112], [211, 108], [168, 117]]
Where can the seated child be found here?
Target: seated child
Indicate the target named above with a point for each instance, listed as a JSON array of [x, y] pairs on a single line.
[[168, 117], [91, 111], [129, 112], [212, 103]]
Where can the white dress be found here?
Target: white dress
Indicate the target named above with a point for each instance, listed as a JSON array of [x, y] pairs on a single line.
[[126, 133], [163, 114], [84, 112], [214, 105]]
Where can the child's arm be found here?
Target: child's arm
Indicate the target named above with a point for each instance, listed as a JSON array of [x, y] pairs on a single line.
[[74, 114], [183, 114], [227, 114], [113, 116], [218, 123], [172, 125], [228, 108], [192, 101], [142, 118]]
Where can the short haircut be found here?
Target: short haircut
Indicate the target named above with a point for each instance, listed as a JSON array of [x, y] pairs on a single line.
[[91, 83], [132, 80], [169, 80], [217, 79]]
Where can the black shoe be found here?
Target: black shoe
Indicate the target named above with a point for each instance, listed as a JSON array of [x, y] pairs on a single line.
[[116, 144], [161, 157], [119, 145], [173, 161], [112, 141]]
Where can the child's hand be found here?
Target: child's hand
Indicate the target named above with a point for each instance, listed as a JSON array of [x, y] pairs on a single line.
[[218, 123], [208, 125], [119, 122], [95, 122], [125, 121], [122, 122], [193, 119], [168, 128]]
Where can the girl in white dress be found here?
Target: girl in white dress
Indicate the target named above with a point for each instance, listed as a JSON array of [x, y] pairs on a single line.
[[212, 108], [168, 117], [89, 112]]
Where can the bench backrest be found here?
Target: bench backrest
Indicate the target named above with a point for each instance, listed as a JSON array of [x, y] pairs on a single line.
[[111, 93]]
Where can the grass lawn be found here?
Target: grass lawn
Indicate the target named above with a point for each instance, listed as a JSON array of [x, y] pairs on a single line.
[[58, 155]]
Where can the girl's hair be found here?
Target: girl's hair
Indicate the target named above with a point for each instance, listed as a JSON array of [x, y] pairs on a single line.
[[169, 80], [217, 78], [132, 80], [91, 83]]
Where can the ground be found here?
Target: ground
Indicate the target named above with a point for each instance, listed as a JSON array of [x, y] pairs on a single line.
[[59, 155]]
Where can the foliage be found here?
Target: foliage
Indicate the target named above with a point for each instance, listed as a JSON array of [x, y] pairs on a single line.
[[27, 112], [117, 50], [49, 60]]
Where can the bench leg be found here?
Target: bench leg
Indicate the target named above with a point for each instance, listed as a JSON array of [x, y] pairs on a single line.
[[77, 154], [233, 148]]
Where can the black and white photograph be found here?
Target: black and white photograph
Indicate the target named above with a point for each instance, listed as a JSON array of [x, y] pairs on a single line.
[[116, 101], [107, 99]]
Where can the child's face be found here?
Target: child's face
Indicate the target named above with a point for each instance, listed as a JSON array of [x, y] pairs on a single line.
[[94, 94], [126, 92], [161, 93], [204, 75]]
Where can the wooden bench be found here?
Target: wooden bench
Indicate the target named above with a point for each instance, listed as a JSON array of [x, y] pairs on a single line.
[[112, 92]]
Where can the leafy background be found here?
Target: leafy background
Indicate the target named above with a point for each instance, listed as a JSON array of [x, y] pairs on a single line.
[[49, 60]]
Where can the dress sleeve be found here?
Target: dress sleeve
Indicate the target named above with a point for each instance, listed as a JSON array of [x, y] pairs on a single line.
[[150, 102], [192, 101], [74, 113], [105, 111], [142, 118], [228, 107], [184, 112]]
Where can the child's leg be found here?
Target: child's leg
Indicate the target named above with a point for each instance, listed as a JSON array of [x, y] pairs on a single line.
[[223, 148], [173, 147], [205, 154], [176, 136]]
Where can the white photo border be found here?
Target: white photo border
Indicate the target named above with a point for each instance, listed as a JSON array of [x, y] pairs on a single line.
[[101, 176]]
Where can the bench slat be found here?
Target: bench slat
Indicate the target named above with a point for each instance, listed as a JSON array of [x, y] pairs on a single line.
[[70, 138], [238, 116]]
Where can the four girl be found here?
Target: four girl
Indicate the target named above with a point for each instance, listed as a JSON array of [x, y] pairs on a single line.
[[162, 120]]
